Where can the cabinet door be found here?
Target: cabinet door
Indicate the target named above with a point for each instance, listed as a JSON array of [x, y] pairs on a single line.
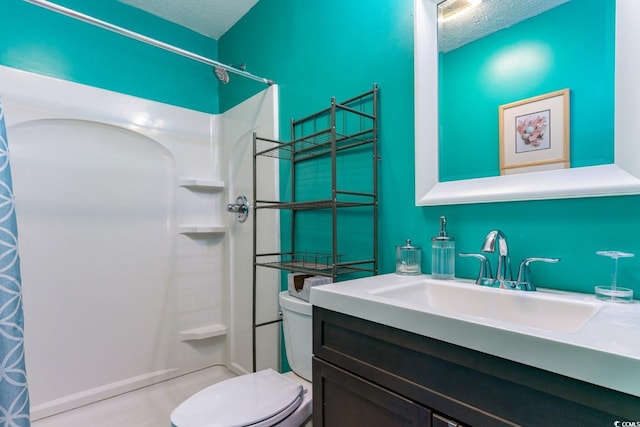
[[440, 421], [343, 399]]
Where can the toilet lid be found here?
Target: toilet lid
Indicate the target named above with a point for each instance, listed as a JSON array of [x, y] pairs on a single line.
[[241, 401]]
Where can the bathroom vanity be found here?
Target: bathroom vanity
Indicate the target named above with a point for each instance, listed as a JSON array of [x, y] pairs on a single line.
[[380, 359]]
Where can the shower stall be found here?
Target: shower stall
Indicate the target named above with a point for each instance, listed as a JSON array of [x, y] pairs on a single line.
[[133, 271]]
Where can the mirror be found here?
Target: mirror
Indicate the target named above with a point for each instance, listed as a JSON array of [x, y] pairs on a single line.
[[618, 178]]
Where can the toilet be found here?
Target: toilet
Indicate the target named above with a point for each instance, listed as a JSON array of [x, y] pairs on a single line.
[[264, 398]]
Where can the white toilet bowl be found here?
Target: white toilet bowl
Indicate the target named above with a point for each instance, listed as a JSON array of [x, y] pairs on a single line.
[[264, 398]]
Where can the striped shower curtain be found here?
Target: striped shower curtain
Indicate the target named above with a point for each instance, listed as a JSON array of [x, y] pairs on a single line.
[[14, 394]]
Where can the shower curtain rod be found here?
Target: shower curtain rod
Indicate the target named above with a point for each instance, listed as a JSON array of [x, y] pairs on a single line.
[[124, 32]]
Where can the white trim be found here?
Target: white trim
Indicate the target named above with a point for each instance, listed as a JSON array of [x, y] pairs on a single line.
[[619, 178]]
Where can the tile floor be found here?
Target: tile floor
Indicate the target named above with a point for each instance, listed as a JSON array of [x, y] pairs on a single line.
[[146, 407]]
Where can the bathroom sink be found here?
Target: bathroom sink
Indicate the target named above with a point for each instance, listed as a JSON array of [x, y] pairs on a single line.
[[550, 311]]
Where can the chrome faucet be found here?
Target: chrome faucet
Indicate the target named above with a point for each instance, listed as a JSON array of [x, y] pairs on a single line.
[[504, 277], [524, 281], [503, 270], [485, 276]]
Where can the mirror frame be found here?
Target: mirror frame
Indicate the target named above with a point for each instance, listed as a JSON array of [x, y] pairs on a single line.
[[619, 178]]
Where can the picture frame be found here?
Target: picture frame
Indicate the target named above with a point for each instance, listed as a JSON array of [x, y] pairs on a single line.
[[534, 133]]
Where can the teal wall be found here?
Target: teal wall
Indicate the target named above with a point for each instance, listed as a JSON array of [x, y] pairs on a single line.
[[318, 49], [543, 54], [315, 50], [41, 41]]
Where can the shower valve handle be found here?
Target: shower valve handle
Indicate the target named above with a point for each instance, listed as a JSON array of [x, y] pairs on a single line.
[[240, 207]]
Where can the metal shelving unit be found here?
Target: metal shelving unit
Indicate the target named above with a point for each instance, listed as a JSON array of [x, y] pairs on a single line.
[[342, 129]]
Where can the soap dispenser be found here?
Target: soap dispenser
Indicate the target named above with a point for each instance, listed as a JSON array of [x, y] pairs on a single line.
[[443, 250]]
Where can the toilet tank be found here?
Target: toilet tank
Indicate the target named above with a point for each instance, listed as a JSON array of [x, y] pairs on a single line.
[[298, 331]]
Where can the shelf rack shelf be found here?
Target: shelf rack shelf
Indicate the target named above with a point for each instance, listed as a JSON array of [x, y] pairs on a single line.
[[320, 144], [313, 263], [311, 204], [325, 140]]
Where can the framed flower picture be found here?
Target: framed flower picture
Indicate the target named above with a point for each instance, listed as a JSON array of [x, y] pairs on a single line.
[[534, 133]]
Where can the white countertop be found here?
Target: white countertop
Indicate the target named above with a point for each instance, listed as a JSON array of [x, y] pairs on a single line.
[[605, 351]]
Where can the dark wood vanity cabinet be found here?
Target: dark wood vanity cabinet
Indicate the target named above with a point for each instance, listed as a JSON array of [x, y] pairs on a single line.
[[351, 400], [367, 374]]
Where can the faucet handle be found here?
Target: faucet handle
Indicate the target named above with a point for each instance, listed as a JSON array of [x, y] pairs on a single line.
[[484, 275], [524, 271]]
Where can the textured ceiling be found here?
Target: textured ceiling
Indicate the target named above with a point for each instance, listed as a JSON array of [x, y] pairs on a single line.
[[209, 17], [214, 17], [488, 17]]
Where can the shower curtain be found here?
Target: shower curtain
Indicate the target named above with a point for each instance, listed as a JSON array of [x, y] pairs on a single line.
[[14, 394]]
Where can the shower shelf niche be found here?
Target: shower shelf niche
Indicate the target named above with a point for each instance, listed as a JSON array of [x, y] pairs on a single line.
[[196, 186], [203, 332], [201, 184], [202, 229]]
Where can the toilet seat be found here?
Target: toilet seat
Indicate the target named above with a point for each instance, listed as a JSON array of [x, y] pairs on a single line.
[[257, 400]]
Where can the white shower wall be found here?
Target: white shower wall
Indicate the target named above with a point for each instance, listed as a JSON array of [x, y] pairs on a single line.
[[238, 151], [126, 247]]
